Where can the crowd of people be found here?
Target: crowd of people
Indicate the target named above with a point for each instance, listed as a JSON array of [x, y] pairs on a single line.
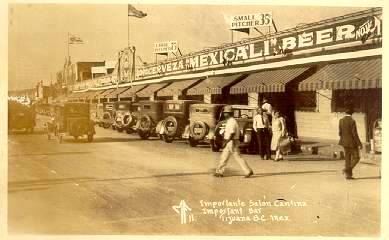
[[271, 132]]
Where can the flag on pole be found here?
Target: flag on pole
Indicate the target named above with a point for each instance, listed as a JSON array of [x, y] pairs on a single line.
[[75, 40], [133, 12]]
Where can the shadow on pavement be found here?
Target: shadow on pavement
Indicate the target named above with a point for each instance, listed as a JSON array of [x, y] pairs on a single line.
[[47, 154], [22, 132], [27, 189], [312, 159], [364, 178], [290, 173], [42, 183]]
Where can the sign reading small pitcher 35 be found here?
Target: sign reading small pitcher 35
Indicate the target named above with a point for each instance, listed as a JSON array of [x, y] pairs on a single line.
[[165, 47], [250, 20]]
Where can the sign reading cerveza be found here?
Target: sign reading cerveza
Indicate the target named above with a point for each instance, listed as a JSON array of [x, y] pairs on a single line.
[[344, 36], [250, 20], [165, 47]]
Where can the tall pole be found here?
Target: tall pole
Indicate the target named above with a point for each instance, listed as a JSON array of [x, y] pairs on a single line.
[[68, 45], [128, 31]]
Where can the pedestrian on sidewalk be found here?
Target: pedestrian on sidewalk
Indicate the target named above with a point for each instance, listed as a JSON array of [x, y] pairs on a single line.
[[261, 128], [231, 145], [267, 109], [279, 132], [350, 141]]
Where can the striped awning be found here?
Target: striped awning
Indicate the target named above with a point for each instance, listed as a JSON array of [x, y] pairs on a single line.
[[106, 93], [356, 74], [117, 91], [131, 91], [267, 81], [151, 89], [99, 93], [177, 88], [213, 85]]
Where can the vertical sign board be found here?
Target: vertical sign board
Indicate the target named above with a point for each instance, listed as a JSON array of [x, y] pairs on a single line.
[[125, 65]]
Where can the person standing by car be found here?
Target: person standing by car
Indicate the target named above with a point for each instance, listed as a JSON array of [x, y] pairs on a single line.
[[350, 141], [231, 145], [279, 131], [261, 128]]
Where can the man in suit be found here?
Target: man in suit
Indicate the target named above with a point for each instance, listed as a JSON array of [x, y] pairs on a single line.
[[350, 141]]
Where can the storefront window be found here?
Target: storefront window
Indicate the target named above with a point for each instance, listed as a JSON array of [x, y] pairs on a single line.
[[305, 101], [342, 99]]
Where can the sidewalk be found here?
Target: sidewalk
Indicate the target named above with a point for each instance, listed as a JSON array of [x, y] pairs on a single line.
[[330, 149]]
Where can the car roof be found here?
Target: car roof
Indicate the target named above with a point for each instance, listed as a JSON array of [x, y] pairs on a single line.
[[243, 106], [208, 105]]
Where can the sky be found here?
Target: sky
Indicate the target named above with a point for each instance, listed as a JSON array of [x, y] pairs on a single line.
[[37, 33]]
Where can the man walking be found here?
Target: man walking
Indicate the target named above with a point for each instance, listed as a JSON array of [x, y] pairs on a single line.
[[261, 127], [231, 145], [350, 141]]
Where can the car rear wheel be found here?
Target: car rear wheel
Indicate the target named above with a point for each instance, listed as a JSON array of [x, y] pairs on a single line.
[[168, 139], [144, 135], [90, 137], [192, 142]]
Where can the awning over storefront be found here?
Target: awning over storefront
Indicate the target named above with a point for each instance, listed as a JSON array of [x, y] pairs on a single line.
[[176, 88], [267, 81], [130, 92], [106, 93], [75, 95], [98, 94], [117, 91], [151, 89], [356, 74], [213, 85]]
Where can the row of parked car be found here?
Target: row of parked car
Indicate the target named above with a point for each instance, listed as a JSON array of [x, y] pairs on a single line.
[[190, 120]]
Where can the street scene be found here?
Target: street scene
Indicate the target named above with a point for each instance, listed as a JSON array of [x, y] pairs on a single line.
[[201, 120]]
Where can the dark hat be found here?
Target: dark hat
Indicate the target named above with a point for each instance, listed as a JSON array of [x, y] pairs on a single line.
[[349, 111]]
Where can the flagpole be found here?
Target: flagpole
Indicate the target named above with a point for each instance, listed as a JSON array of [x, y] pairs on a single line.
[[68, 45]]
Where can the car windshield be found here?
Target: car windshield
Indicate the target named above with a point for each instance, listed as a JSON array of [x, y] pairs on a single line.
[[201, 110], [122, 106]]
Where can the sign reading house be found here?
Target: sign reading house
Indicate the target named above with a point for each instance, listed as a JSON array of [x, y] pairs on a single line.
[[250, 20], [165, 47], [320, 39]]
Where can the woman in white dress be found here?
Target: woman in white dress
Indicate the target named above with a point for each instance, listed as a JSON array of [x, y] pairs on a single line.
[[279, 131]]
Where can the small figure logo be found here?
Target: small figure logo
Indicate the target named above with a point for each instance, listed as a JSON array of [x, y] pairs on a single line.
[[184, 210]]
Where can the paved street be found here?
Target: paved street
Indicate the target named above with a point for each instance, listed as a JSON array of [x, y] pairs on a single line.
[[120, 184]]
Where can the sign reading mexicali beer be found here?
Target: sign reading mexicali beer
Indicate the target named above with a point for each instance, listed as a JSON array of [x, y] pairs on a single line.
[[251, 20], [345, 36]]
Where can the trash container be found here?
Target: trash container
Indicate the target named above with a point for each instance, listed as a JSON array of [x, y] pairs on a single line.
[[377, 136]]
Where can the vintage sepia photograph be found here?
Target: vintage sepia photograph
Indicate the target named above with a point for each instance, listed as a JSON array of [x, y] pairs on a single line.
[[194, 119]]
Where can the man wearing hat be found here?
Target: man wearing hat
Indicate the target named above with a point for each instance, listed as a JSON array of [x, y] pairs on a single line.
[[267, 108], [350, 141], [231, 145]]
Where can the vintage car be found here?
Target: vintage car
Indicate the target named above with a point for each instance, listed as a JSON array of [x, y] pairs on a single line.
[[106, 118], [21, 117], [244, 116], [74, 119], [126, 114], [202, 122], [130, 119], [176, 117], [121, 109], [151, 112]]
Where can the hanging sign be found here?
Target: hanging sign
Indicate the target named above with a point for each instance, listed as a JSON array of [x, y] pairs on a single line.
[[251, 20], [165, 47]]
